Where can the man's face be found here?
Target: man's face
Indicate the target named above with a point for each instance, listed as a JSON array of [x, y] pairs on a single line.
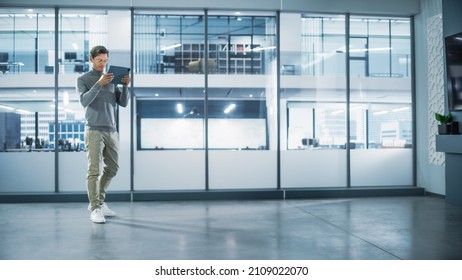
[[100, 61]]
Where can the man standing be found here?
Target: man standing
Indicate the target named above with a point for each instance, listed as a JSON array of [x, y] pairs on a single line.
[[100, 97]]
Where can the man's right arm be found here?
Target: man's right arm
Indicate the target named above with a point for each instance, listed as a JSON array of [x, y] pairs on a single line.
[[87, 95]]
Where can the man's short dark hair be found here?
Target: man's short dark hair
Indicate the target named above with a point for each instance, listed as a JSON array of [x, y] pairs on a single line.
[[96, 50]]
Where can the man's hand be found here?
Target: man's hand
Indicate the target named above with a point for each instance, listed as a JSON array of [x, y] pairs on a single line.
[[126, 80], [106, 79]]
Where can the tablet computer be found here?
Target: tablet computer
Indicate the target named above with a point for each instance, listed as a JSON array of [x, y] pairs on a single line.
[[119, 72]]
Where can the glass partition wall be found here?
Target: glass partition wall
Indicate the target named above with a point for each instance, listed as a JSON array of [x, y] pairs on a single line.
[[80, 30], [206, 127], [169, 51], [26, 94], [380, 102], [209, 110], [318, 101], [242, 100], [313, 99]]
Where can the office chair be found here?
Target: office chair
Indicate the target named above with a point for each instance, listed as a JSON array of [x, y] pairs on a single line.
[[49, 69], [78, 68]]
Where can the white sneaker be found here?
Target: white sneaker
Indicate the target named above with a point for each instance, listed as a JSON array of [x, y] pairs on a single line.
[[106, 211], [97, 216]]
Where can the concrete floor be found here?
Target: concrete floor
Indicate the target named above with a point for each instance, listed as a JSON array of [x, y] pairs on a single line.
[[385, 228]]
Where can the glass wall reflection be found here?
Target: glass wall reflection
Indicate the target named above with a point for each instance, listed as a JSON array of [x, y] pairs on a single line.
[[170, 97], [242, 100], [313, 102], [25, 139], [381, 101], [205, 101], [80, 30]]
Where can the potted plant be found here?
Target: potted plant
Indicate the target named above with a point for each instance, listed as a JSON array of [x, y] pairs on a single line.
[[444, 126]]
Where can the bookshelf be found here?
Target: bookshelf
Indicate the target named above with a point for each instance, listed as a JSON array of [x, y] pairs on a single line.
[[230, 59]]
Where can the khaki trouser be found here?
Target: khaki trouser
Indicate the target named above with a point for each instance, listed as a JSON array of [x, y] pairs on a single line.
[[102, 147]]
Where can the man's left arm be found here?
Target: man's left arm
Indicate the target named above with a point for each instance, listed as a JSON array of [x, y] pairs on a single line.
[[123, 95]]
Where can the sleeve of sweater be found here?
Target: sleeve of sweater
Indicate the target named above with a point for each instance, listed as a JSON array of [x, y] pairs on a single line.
[[87, 95], [123, 96]]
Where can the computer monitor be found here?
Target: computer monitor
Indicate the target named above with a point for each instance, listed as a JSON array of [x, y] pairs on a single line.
[[3, 57], [70, 55], [168, 59], [78, 68]]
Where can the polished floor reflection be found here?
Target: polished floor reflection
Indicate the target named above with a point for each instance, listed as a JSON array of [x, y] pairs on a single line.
[[330, 229]]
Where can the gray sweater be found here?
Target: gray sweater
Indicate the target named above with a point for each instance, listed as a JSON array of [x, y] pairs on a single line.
[[100, 101]]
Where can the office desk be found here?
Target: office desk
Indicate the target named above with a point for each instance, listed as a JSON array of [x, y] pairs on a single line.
[[450, 145], [15, 66]]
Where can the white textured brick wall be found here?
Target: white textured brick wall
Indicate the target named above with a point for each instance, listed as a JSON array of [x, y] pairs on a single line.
[[435, 84]]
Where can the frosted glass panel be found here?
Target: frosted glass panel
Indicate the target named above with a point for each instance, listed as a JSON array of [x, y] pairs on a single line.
[[237, 133], [169, 170], [242, 169], [381, 167], [27, 172], [313, 168], [73, 172]]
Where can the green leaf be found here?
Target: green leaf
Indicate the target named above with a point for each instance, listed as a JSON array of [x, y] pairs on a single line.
[[443, 119]]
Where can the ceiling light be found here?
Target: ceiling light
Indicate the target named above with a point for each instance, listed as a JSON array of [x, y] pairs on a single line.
[[179, 108], [400, 109], [6, 107], [352, 50], [380, 113], [66, 98], [257, 49], [229, 108], [23, 111], [357, 107], [170, 47], [194, 111]]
